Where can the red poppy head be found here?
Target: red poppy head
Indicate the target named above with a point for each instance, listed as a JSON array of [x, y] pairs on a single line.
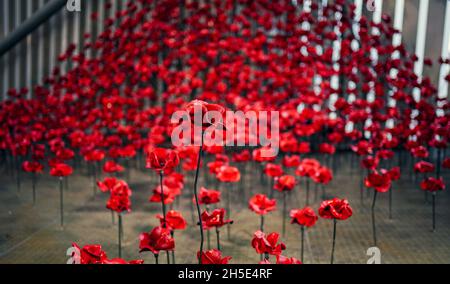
[[107, 184], [214, 219], [284, 183], [335, 209], [304, 217], [267, 244], [323, 175], [424, 167], [273, 170], [205, 114], [291, 161], [32, 167], [287, 260], [174, 220], [432, 184], [380, 181], [155, 241], [90, 254], [112, 167], [165, 194], [228, 174], [61, 170], [208, 196], [213, 257], [261, 204], [162, 160]]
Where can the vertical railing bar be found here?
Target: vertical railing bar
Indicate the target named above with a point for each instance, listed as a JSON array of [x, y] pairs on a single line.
[[420, 43], [5, 58], [40, 39], [64, 38], [29, 64], [445, 54], [17, 49]]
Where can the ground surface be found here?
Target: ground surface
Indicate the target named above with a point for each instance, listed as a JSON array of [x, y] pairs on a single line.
[[32, 234]]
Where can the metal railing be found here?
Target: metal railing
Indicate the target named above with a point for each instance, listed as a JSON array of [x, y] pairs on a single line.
[[32, 38]]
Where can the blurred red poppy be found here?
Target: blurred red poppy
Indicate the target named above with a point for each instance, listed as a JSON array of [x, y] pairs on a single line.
[[423, 167], [160, 159], [380, 181], [32, 167], [208, 196], [432, 184], [214, 219], [273, 170], [261, 204], [228, 174], [112, 167], [267, 244], [174, 220], [61, 170], [284, 183], [213, 257]]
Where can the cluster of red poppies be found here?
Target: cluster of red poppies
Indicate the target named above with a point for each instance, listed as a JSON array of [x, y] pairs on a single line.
[[155, 57]]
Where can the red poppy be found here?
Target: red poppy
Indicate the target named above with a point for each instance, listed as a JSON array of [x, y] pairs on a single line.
[[380, 181], [174, 220], [160, 159], [32, 167], [241, 157], [94, 156], [362, 148], [89, 254], [112, 167], [228, 174], [208, 196], [424, 167], [323, 175], [214, 219], [273, 170], [287, 260], [155, 241], [269, 244], [61, 170], [122, 261], [284, 183], [119, 200], [432, 184], [446, 163], [307, 168], [326, 148], [261, 204], [335, 209], [258, 156], [291, 161], [213, 257], [420, 152], [370, 162], [200, 109], [304, 217], [394, 173], [107, 184], [215, 166], [165, 194]]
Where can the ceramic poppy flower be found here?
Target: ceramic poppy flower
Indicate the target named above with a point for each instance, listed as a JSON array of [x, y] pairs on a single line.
[[119, 199], [112, 167], [122, 261], [159, 239], [394, 173], [323, 175], [304, 217], [380, 181], [165, 194], [242, 157], [273, 170], [61, 170], [228, 174], [446, 163], [261, 204], [284, 183], [213, 257], [89, 254], [432, 184], [287, 260], [214, 219], [423, 167], [362, 148], [370, 162], [215, 166], [32, 167], [164, 160], [291, 161], [94, 156], [335, 209], [107, 184], [202, 110], [258, 155], [174, 220], [326, 148], [420, 152], [307, 168], [208, 196], [267, 244]]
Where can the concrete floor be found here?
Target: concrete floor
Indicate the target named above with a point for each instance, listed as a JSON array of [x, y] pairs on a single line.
[[32, 234]]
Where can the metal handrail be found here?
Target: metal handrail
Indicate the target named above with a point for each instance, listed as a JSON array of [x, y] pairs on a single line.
[[31, 24]]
